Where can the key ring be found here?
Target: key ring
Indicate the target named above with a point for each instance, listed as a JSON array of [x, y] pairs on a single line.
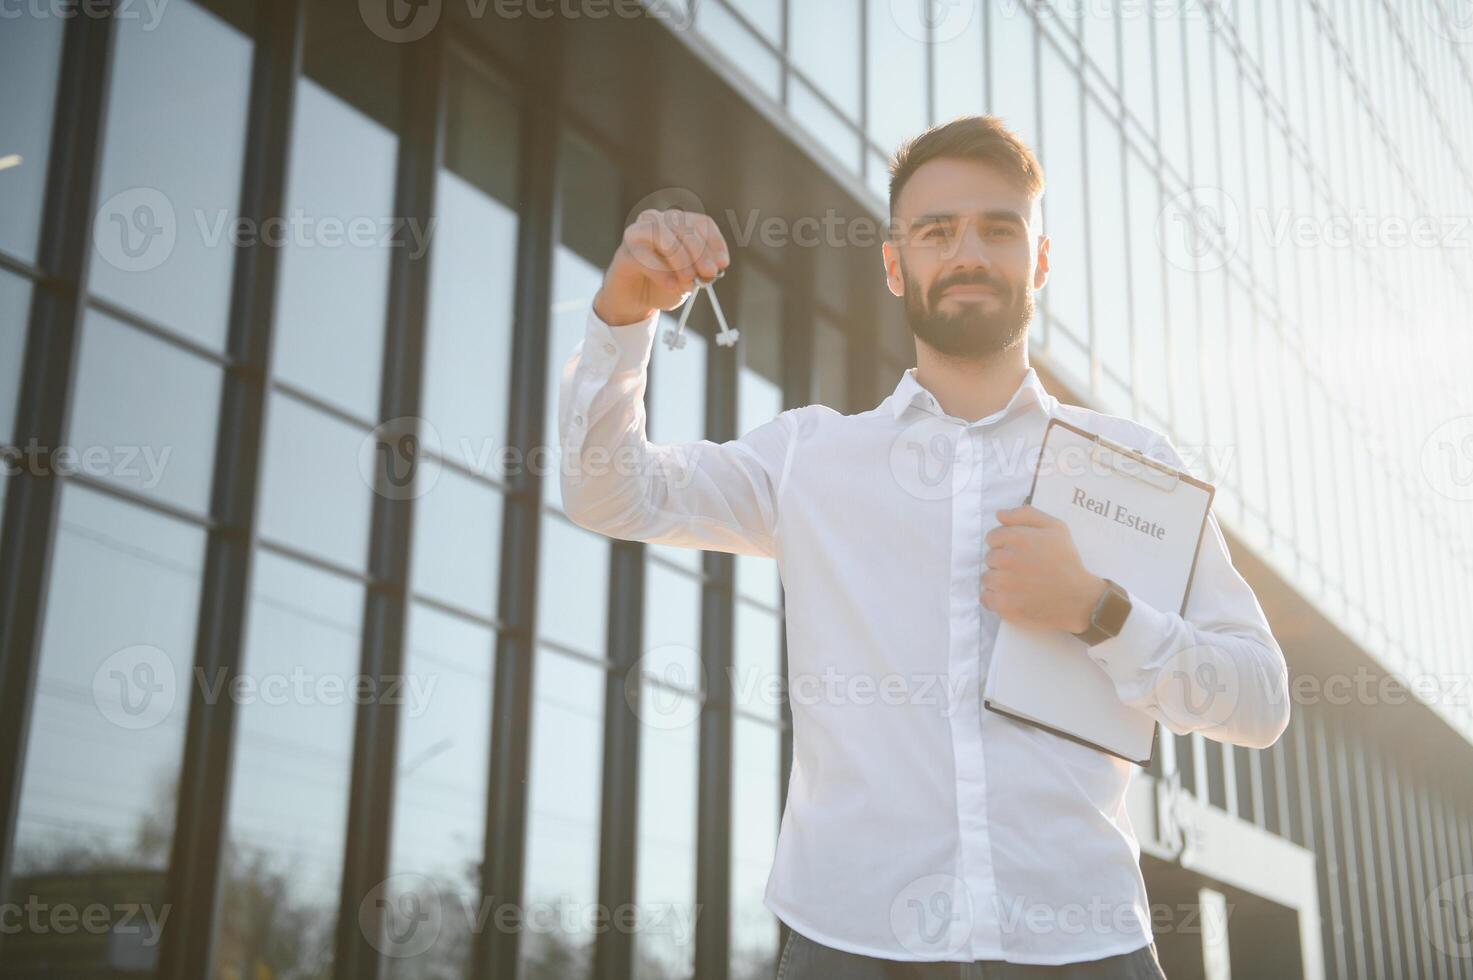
[[727, 337]]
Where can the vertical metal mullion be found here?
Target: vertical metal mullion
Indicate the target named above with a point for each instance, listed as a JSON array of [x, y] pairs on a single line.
[[713, 833], [197, 862], [496, 950], [376, 728], [619, 813], [47, 377]]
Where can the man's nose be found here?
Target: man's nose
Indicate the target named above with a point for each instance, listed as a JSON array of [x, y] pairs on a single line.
[[969, 249]]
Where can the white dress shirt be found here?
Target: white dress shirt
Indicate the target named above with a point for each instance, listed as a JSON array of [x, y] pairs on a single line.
[[919, 825]]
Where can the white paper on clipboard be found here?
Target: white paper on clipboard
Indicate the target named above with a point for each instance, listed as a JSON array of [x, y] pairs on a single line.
[[1103, 492]]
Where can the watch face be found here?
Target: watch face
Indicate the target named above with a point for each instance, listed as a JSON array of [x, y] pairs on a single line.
[[1114, 609]]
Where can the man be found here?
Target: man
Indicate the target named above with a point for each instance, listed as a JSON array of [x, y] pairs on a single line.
[[925, 836]]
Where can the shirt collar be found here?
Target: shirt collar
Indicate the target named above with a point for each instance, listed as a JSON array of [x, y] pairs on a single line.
[[911, 392]]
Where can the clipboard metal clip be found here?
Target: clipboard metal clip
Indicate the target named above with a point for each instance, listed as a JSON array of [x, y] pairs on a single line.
[[1129, 462]]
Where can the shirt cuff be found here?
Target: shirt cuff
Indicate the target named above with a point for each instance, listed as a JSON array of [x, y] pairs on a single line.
[[1129, 657], [623, 348]]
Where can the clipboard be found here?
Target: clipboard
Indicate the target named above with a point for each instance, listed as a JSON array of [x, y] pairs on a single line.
[[1038, 677]]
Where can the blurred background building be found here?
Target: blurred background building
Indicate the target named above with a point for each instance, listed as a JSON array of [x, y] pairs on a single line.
[[200, 402]]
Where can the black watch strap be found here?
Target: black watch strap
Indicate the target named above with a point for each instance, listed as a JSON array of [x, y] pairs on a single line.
[[1109, 614]]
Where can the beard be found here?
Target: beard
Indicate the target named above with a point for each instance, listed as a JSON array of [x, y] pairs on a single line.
[[971, 332]]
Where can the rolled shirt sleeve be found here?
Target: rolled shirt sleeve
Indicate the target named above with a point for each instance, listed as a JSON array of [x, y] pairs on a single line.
[[714, 496], [1217, 669]]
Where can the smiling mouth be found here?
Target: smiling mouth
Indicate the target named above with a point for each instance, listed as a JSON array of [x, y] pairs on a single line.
[[969, 290]]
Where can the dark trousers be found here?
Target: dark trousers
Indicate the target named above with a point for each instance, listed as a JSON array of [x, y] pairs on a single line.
[[807, 959]]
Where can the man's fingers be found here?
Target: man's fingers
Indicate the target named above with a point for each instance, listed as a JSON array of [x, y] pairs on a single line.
[[662, 249], [655, 266], [1026, 516], [699, 236]]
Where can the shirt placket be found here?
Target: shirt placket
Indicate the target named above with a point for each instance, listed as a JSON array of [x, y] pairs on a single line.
[[974, 832]]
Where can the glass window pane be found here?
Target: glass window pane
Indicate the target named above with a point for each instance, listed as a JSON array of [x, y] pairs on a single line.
[[1097, 25], [469, 334], [1063, 202], [1147, 294], [1012, 39], [335, 263], [313, 494], [665, 876], [742, 46], [897, 73], [563, 817], [440, 802], [457, 543], [145, 414], [15, 304], [15, 308], [30, 52], [294, 741], [1171, 75], [826, 127], [1108, 281], [672, 616], [824, 45], [755, 815], [830, 365], [572, 588], [960, 53], [757, 661], [1136, 81], [97, 803], [171, 169]]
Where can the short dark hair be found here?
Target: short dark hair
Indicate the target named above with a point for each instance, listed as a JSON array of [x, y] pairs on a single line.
[[982, 138]]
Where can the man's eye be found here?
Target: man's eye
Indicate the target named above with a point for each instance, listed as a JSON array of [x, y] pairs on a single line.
[[1002, 231]]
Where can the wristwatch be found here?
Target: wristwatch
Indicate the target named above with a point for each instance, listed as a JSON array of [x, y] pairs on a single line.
[[1108, 616]]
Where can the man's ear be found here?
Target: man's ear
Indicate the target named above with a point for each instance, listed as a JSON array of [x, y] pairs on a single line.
[[890, 255], [1040, 270]]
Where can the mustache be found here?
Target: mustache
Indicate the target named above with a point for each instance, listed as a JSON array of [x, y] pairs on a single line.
[[967, 279]]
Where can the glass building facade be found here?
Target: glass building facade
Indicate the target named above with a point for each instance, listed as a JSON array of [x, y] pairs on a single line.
[[298, 650]]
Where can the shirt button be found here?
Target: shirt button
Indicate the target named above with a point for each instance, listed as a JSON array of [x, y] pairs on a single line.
[[608, 348], [577, 420]]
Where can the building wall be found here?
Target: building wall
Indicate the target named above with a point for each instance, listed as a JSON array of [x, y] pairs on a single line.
[[449, 205]]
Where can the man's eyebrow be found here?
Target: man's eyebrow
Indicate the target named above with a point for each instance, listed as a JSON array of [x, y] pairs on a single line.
[[1007, 215]]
